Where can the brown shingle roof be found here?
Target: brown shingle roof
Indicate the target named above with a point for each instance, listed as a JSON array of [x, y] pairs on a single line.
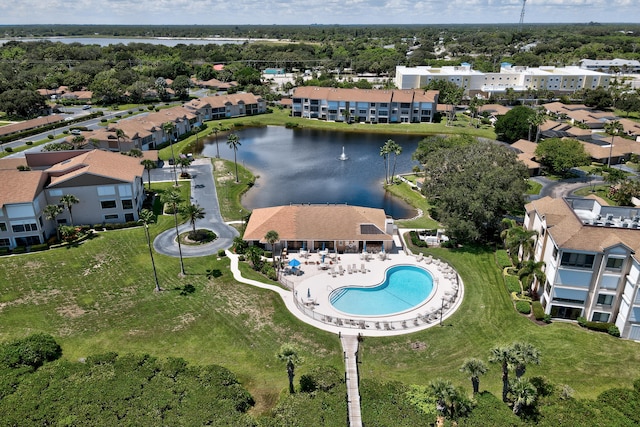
[[22, 186], [568, 231], [97, 162], [316, 222]]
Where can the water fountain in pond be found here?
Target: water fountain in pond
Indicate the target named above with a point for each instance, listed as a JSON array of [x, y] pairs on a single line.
[[343, 156]]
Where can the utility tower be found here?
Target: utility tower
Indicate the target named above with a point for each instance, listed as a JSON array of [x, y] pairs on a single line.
[[524, 2]]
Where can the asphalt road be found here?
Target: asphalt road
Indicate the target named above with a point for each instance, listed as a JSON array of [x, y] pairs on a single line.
[[203, 193]]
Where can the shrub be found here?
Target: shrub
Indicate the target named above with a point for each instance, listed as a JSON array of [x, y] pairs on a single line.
[[4, 251], [8, 150], [103, 120], [268, 254], [150, 107], [502, 259], [538, 310], [50, 136], [582, 321], [513, 284], [523, 307], [221, 253], [29, 142], [118, 116], [19, 250], [613, 331], [291, 125], [40, 247], [31, 351], [547, 318]]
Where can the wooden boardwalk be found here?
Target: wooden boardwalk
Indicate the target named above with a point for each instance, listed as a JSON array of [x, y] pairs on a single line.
[[350, 348]]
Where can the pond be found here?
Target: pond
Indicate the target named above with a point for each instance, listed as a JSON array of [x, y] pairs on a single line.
[[304, 166]]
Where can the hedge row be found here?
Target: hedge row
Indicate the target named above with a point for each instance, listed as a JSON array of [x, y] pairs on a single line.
[[503, 259], [607, 327], [538, 310], [513, 284]]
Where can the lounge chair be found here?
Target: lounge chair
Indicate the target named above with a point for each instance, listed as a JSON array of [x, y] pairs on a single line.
[[349, 269], [377, 325], [404, 324], [415, 321], [419, 257], [362, 268], [386, 326], [354, 268], [341, 270]]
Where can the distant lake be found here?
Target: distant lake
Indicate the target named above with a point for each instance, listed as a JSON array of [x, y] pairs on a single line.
[[303, 166], [106, 41]]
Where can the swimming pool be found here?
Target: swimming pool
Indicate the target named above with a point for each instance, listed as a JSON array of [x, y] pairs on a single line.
[[405, 287]]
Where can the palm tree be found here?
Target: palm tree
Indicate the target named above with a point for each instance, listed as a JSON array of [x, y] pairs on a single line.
[[396, 149], [148, 165], [68, 200], [385, 150], [51, 212], [524, 394], [474, 368], [78, 141], [272, 237], [120, 135], [612, 128], [289, 354], [173, 197], [234, 142], [537, 119], [505, 357], [168, 128], [146, 218], [183, 162], [518, 240], [193, 213], [531, 272], [215, 131], [443, 392], [525, 354], [254, 253]]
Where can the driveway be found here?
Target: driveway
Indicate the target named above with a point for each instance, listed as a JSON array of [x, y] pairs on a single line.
[[203, 193]]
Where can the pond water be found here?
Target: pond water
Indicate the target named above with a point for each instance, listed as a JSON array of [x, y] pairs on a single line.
[[303, 166]]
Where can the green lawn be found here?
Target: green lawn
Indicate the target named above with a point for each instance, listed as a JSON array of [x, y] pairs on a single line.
[[533, 187], [414, 198], [600, 191], [99, 297]]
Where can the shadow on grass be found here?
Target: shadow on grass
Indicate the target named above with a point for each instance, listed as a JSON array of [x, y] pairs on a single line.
[[185, 290]]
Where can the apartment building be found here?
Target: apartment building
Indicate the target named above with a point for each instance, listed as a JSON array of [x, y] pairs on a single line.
[[591, 263], [227, 106], [613, 66], [108, 185], [560, 80], [365, 105]]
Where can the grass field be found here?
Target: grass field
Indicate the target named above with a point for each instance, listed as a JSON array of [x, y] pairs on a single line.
[[99, 297]]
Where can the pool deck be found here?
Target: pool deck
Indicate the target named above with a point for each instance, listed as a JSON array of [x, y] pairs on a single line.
[[319, 283]]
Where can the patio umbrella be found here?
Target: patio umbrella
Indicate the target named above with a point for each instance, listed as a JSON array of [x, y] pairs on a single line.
[[323, 259], [364, 249], [308, 293], [294, 262]]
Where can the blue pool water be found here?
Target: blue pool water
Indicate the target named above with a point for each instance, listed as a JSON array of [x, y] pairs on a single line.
[[405, 287]]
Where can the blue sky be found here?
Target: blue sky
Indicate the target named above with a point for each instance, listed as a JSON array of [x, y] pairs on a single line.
[[205, 12]]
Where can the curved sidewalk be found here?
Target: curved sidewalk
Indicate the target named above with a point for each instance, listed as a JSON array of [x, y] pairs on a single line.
[[203, 193]]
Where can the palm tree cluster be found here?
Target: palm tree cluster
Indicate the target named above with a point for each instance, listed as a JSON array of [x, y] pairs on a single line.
[[452, 403], [516, 357], [390, 147], [520, 244]]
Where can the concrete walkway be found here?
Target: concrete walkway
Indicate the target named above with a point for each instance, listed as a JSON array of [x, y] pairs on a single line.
[[350, 348], [203, 193]]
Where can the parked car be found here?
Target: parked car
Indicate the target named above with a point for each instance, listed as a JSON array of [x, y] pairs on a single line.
[[86, 107], [75, 132]]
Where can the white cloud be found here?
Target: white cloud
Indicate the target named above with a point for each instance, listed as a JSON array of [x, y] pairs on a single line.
[[203, 12]]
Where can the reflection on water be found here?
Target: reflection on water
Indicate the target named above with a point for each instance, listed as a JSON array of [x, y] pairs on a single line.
[[303, 166]]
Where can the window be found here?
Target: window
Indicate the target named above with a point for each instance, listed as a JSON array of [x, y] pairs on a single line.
[[127, 204], [4, 243], [555, 253], [572, 259], [106, 190], [124, 190], [604, 299], [614, 263], [108, 204], [20, 228], [113, 216], [3, 226], [129, 217], [55, 193], [600, 317]]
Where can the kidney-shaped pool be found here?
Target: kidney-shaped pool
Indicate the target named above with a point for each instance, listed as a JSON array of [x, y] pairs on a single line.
[[404, 287]]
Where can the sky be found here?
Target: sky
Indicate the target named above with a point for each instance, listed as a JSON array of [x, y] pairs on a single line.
[[269, 12]]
